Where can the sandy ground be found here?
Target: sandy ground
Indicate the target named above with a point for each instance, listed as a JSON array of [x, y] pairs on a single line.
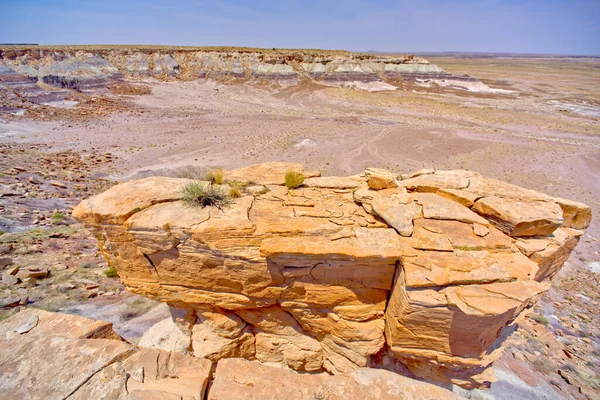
[[545, 135]]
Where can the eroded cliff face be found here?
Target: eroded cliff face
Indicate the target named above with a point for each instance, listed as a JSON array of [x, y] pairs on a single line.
[[343, 272], [90, 70]]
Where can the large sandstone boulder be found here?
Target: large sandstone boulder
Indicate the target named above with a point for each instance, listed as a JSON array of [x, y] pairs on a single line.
[[324, 277]]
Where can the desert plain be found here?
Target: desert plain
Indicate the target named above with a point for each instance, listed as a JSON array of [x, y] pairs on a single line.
[[539, 127]]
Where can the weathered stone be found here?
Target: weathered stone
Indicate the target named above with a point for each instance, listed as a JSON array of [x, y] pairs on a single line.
[[9, 301], [306, 277], [486, 187], [575, 215], [58, 184], [424, 171], [12, 270], [28, 356], [55, 358], [167, 336], [27, 325], [520, 218], [439, 180], [480, 230], [122, 201], [399, 216], [462, 235], [556, 252], [332, 182], [279, 339], [65, 287], [436, 207], [8, 279], [454, 327], [435, 268], [166, 375], [221, 335], [424, 239], [29, 282], [5, 261], [378, 178], [463, 197], [24, 274]]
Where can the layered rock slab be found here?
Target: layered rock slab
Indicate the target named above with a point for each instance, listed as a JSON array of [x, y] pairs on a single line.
[[46, 355], [326, 275], [91, 70]]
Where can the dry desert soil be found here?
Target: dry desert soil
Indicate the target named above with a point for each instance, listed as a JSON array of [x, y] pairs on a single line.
[[542, 132]]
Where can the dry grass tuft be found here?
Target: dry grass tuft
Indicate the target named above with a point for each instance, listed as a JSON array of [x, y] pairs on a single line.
[[202, 194], [235, 190], [215, 176]]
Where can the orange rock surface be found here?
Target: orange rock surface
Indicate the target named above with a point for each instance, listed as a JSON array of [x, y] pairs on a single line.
[[432, 268]]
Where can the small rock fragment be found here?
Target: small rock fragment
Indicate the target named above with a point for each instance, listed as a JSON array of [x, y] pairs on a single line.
[[58, 184], [9, 279], [28, 325], [480, 230], [9, 302], [12, 270], [378, 178], [5, 262], [64, 287], [424, 171]]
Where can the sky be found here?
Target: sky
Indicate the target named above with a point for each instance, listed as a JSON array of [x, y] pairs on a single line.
[[514, 26]]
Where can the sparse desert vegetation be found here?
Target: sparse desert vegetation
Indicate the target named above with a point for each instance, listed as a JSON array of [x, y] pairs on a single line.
[[293, 179], [215, 176], [203, 194]]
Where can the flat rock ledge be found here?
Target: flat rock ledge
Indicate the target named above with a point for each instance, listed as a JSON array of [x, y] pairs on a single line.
[[45, 355], [431, 271]]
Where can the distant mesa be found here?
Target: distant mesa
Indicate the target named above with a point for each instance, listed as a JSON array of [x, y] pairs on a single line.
[[26, 68], [19, 44]]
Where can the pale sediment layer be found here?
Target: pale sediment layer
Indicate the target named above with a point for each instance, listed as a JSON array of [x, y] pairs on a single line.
[[430, 269]]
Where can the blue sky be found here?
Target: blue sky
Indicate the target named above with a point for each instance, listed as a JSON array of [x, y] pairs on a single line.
[[526, 26]]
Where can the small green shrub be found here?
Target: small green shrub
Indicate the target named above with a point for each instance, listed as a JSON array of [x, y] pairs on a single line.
[[2, 233], [111, 272], [235, 190], [202, 194], [57, 218], [293, 179], [541, 319]]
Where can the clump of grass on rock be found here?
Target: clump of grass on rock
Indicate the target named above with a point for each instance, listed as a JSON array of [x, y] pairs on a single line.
[[293, 179], [57, 218], [203, 194], [111, 272], [216, 176], [235, 189]]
